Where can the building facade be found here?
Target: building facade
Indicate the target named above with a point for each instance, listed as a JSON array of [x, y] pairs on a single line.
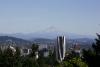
[[60, 48]]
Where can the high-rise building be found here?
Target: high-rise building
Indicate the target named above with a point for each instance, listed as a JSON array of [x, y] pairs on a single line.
[[60, 48]]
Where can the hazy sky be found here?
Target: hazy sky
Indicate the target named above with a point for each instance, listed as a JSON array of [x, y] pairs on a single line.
[[74, 16]]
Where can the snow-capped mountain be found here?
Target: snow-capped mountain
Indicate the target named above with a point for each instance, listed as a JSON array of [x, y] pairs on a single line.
[[50, 33]]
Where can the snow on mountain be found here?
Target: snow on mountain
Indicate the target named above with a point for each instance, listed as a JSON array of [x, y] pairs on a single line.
[[50, 33]]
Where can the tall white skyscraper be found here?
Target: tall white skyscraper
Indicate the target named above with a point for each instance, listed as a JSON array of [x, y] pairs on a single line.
[[60, 48]]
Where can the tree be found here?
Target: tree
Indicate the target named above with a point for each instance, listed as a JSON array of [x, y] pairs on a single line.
[[96, 46], [52, 58], [30, 62], [17, 57], [17, 53], [0, 51], [1, 56], [92, 57], [8, 58], [34, 50], [73, 62]]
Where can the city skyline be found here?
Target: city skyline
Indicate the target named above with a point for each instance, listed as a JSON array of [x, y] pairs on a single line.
[[28, 16]]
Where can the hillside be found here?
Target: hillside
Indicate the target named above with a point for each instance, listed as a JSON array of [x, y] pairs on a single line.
[[13, 40]]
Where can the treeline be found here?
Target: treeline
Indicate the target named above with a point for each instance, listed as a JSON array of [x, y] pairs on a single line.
[[90, 58]]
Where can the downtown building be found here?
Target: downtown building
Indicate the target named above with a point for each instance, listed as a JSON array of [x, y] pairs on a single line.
[[60, 48]]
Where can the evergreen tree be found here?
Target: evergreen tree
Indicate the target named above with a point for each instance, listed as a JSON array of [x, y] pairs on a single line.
[[96, 46], [17, 57], [17, 53], [1, 57], [30, 62], [0, 52], [92, 57], [34, 50], [8, 58]]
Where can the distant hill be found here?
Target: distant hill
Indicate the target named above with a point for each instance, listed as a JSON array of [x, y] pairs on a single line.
[[84, 42], [49, 33], [43, 41], [4, 40], [79, 40]]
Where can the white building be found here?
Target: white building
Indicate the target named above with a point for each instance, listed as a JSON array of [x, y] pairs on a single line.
[[60, 48]]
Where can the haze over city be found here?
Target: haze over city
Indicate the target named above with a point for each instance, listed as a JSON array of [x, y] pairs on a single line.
[[28, 16], [49, 33]]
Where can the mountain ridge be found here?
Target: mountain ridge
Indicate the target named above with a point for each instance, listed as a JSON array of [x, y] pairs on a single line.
[[50, 33]]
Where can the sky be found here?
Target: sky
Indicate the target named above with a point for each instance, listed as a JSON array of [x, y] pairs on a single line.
[[27, 16]]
